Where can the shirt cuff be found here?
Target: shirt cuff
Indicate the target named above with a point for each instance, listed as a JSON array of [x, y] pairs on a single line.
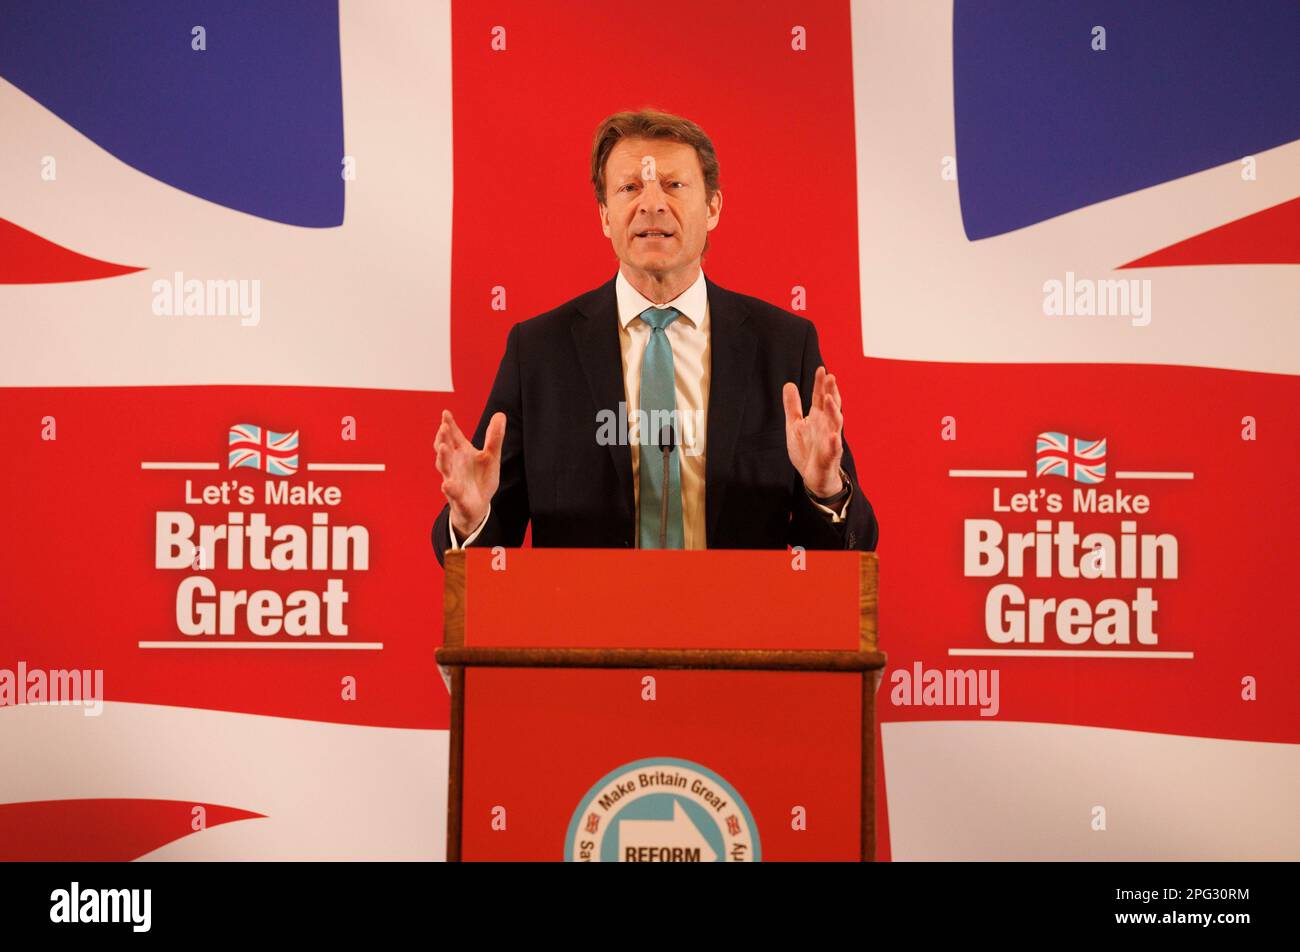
[[844, 507], [469, 539], [835, 516]]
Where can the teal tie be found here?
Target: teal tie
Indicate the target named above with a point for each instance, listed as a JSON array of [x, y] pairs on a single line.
[[658, 406]]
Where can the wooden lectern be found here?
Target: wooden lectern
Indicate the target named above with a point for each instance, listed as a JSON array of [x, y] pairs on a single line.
[[651, 705]]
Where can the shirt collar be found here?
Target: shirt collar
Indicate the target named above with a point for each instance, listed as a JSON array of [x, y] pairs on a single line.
[[692, 303]]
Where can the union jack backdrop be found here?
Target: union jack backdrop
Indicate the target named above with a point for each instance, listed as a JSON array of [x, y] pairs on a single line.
[[1005, 237]]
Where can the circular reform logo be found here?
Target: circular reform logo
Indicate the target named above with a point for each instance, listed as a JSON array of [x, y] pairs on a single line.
[[662, 809]]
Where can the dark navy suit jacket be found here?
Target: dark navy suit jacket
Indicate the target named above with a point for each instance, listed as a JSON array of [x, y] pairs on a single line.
[[563, 366]]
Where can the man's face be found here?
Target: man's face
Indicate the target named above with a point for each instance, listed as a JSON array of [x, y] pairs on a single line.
[[655, 212]]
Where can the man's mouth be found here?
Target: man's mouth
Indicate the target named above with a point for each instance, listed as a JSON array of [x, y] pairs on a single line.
[[654, 234]]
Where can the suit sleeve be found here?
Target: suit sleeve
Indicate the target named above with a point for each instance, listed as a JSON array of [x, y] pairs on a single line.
[[509, 513], [810, 526]]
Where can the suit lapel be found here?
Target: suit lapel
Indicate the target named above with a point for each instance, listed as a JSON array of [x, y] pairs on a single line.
[[732, 344], [595, 334]]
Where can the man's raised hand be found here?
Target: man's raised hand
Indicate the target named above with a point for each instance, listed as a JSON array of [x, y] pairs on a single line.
[[814, 442], [469, 476]]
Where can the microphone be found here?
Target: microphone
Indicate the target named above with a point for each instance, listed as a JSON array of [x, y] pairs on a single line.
[[666, 443]]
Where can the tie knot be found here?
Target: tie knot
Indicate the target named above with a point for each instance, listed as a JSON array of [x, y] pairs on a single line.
[[660, 317]]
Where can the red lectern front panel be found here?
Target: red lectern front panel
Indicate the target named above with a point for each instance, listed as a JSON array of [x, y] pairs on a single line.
[[693, 765]]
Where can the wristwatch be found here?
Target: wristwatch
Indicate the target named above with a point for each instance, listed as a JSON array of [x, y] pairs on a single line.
[[839, 497]]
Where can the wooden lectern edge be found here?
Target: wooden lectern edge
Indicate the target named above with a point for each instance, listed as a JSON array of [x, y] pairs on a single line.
[[868, 600], [867, 793], [453, 598], [745, 659], [455, 765]]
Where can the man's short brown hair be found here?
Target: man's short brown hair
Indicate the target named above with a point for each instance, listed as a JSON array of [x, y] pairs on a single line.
[[651, 124]]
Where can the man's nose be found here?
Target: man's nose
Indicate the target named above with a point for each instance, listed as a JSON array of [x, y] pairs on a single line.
[[653, 198]]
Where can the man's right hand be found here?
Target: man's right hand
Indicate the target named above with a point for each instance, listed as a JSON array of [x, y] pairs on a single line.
[[469, 476]]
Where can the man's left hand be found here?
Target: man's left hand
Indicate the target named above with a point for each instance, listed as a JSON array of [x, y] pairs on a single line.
[[814, 442]]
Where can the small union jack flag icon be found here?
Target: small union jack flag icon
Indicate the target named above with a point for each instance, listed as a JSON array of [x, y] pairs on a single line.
[[263, 449], [1087, 464], [733, 825], [593, 823]]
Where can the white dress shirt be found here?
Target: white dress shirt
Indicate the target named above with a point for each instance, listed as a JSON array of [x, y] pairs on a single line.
[[689, 337]]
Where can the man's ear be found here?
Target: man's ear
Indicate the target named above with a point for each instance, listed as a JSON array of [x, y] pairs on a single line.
[[715, 210], [603, 212]]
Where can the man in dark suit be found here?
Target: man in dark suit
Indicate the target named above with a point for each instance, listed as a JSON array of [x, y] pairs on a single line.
[[753, 454]]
